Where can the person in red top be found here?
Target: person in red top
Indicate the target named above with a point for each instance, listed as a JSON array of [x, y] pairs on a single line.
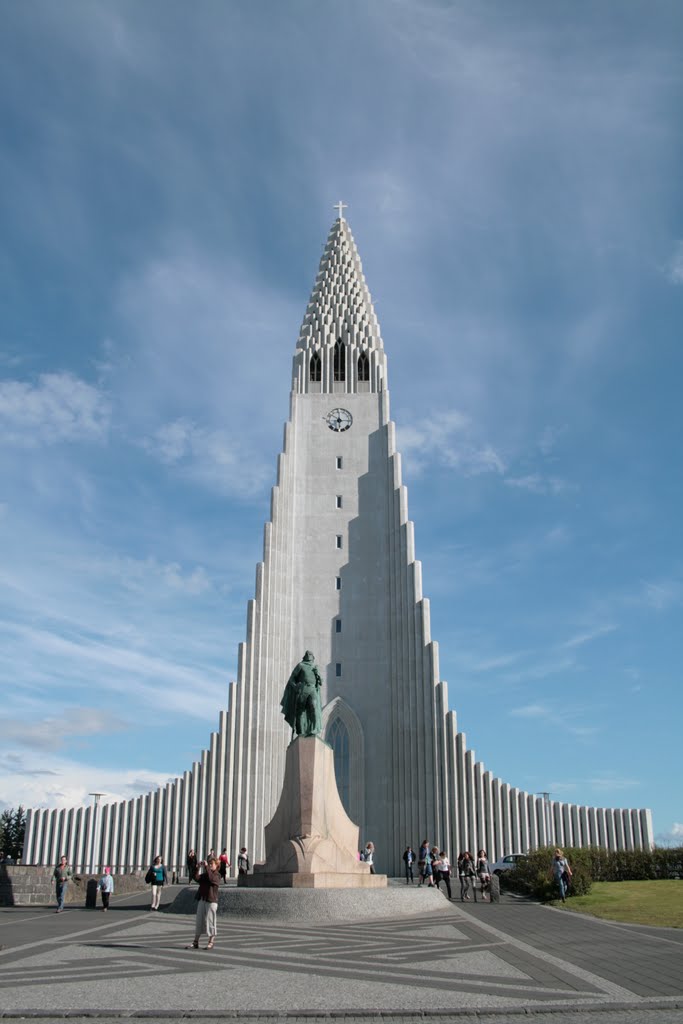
[[223, 864], [209, 881]]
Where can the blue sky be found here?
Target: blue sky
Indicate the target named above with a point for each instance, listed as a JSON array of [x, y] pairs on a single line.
[[513, 178]]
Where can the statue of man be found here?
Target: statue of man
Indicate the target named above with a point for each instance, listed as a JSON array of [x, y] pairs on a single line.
[[300, 702]]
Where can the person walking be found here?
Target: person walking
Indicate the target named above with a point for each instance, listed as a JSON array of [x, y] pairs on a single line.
[[409, 860], [444, 873], [157, 878], [562, 873], [243, 862], [223, 865], [466, 873], [370, 856], [484, 873], [426, 859], [207, 903], [106, 887], [191, 861], [62, 875]]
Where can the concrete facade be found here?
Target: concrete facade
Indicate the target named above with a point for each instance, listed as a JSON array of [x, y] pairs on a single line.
[[339, 577]]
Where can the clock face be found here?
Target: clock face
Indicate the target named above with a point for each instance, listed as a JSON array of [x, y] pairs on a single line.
[[339, 419]]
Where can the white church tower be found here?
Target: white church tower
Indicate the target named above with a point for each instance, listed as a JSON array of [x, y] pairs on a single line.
[[339, 578]]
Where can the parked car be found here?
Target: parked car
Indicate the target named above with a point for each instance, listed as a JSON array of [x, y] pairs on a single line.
[[507, 863]]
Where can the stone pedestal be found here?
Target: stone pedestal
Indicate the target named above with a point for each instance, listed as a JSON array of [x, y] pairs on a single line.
[[311, 842]]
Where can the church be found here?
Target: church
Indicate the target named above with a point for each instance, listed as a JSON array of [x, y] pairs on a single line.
[[339, 577]]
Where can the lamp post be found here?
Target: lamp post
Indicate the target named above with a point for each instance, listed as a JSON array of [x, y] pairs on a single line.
[[94, 829]]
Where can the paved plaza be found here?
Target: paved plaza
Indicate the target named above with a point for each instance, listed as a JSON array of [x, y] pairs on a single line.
[[470, 962]]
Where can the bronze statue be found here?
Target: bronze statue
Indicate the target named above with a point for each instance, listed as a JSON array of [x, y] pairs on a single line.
[[300, 702]]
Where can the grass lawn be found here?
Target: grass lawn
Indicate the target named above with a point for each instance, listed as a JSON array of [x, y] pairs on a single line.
[[655, 903]]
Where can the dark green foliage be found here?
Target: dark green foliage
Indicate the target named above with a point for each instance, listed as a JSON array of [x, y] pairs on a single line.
[[533, 877], [12, 828]]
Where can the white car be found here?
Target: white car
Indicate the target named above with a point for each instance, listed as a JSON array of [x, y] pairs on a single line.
[[507, 863]]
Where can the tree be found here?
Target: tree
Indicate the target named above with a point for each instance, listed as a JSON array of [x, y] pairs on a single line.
[[12, 829]]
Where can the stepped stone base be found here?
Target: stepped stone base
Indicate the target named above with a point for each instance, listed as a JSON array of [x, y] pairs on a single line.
[[312, 880], [320, 906], [311, 843]]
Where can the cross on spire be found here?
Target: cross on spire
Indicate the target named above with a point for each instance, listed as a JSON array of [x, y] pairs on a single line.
[[340, 207]]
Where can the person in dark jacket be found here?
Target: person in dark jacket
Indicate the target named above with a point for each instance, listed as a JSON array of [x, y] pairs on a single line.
[[409, 860], [209, 880], [191, 862]]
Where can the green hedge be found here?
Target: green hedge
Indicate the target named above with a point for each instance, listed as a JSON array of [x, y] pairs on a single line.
[[589, 864]]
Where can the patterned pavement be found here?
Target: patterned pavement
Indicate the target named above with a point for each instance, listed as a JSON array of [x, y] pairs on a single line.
[[508, 959]]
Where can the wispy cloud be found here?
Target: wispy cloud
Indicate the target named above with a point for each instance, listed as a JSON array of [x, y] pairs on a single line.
[[674, 270], [56, 731], [579, 639], [662, 594], [447, 438], [43, 778], [210, 458], [58, 407], [537, 483]]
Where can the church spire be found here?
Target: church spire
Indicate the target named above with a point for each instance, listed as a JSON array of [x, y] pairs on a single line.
[[340, 346]]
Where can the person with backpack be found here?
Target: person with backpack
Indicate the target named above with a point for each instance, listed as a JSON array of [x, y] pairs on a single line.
[[156, 877]]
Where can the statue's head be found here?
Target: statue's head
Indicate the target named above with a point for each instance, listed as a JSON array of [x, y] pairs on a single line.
[[309, 656]]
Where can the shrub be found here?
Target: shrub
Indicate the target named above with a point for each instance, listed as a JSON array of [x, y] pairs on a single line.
[[532, 877]]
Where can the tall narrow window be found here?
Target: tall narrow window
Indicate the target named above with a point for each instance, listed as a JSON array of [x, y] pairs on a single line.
[[339, 360], [337, 583], [338, 501], [315, 367], [338, 739], [363, 367], [337, 669], [340, 540], [339, 462], [337, 625]]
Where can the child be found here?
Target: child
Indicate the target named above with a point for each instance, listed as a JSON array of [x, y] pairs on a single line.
[[106, 887]]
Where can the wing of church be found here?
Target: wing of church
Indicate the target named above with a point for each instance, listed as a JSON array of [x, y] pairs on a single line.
[[338, 577]]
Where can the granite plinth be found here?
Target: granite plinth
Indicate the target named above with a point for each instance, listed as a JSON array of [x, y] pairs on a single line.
[[311, 843]]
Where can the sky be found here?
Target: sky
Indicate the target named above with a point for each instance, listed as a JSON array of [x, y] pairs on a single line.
[[513, 178]]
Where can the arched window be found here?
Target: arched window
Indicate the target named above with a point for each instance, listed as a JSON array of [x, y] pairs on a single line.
[[315, 367], [339, 361], [363, 367], [338, 738]]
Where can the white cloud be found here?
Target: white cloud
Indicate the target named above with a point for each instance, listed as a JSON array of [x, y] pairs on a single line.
[[55, 731], [592, 634], [47, 780], [610, 781], [662, 594], [59, 407], [211, 458], [446, 438], [674, 270], [677, 829], [531, 711], [537, 483]]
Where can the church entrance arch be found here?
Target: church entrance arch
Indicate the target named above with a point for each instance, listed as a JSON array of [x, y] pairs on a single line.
[[344, 733]]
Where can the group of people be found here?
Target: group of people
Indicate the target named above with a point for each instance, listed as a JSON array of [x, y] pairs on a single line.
[[432, 863], [243, 863], [434, 867]]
